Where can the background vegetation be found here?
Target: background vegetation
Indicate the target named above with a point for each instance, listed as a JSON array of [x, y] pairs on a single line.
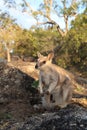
[[69, 46]]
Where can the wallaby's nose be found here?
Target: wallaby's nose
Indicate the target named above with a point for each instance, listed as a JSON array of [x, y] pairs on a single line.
[[36, 66]]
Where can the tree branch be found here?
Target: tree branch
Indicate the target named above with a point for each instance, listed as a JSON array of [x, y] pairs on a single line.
[[48, 9], [54, 23], [28, 5]]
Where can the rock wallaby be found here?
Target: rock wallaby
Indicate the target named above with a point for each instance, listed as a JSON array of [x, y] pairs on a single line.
[[55, 83]]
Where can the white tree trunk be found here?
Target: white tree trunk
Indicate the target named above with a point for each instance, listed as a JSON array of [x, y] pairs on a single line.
[[8, 55]]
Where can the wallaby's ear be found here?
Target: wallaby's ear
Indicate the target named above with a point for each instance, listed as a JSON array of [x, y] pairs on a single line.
[[50, 56], [39, 55]]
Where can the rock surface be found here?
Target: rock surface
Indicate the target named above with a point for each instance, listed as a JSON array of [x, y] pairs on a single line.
[[73, 117], [70, 118]]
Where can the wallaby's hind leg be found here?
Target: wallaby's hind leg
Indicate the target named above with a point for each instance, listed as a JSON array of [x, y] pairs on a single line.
[[63, 95], [67, 91], [59, 101]]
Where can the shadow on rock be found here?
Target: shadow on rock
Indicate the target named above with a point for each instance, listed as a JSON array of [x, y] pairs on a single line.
[[16, 93]]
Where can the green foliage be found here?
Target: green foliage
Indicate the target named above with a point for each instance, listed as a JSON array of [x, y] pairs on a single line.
[[35, 84], [5, 116], [74, 49], [45, 39], [25, 43], [29, 42], [61, 62], [78, 34]]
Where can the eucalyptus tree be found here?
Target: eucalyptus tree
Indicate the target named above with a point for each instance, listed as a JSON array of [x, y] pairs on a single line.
[[7, 33]]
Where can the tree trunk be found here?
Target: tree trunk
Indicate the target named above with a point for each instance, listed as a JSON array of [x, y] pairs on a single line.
[[8, 55]]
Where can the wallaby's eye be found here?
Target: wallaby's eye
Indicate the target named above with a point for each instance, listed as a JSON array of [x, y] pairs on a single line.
[[44, 62]]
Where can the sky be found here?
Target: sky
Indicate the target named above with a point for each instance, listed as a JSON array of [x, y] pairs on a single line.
[[23, 19], [26, 20]]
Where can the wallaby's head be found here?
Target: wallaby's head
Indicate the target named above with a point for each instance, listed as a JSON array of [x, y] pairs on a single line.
[[43, 60]]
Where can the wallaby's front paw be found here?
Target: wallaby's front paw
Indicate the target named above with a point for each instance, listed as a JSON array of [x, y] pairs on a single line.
[[37, 107], [47, 92]]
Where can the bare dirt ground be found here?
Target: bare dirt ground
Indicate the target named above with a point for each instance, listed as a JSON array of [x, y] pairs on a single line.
[[17, 97]]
